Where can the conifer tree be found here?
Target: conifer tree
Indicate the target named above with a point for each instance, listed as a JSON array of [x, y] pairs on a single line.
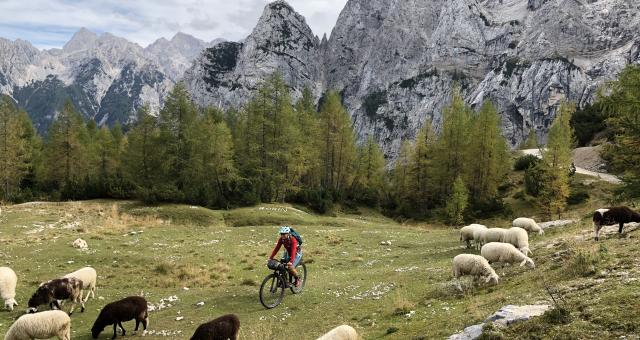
[[368, 183], [531, 142], [14, 150], [421, 169], [142, 157], [457, 202], [401, 181]]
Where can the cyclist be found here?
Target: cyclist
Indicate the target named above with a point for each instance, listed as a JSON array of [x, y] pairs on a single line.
[[292, 254]]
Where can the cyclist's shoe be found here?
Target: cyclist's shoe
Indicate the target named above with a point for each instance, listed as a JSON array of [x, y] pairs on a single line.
[[298, 283]]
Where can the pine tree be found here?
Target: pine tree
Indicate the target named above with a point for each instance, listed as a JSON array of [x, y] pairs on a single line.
[[488, 155], [337, 149], [14, 150], [368, 183], [66, 152], [457, 202], [557, 162]]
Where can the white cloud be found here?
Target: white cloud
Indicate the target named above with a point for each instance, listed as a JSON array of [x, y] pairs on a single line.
[[50, 23]]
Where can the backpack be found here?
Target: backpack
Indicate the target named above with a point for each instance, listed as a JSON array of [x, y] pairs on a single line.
[[297, 236]]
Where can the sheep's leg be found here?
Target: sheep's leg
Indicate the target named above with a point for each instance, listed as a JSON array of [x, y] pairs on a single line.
[[73, 306], [115, 324], [596, 228], [620, 229], [123, 331]]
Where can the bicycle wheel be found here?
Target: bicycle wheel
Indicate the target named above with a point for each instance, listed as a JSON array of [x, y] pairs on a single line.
[[271, 291], [302, 274]]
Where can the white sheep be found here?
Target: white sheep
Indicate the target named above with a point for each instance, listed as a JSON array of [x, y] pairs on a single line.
[[528, 224], [519, 238], [43, 325], [467, 233], [474, 265], [8, 280], [88, 276], [492, 235], [505, 253], [343, 332]]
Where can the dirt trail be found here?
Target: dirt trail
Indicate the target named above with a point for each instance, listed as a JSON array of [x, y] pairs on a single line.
[[587, 161]]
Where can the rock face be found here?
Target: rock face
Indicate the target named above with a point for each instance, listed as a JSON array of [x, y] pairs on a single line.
[[396, 62], [107, 78]]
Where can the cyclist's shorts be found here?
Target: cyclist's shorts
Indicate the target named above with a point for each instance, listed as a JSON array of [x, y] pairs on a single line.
[[298, 257]]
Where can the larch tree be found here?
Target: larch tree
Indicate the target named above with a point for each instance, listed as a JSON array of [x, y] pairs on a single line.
[[14, 150]]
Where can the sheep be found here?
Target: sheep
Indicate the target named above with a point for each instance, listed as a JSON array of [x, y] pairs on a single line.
[[492, 235], [475, 265], [88, 276], [57, 289], [505, 253], [467, 233], [528, 224], [114, 313], [222, 328], [613, 215], [343, 332], [519, 238], [8, 280], [43, 325]]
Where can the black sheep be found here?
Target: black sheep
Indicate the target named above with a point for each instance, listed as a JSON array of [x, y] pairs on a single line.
[[223, 328], [58, 289], [613, 215], [132, 307]]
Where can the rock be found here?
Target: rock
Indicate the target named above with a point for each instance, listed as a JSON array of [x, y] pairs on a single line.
[[469, 333], [557, 223], [511, 313], [80, 244], [385, 243]]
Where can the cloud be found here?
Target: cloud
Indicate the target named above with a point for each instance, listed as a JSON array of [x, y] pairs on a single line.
[[50, 23]]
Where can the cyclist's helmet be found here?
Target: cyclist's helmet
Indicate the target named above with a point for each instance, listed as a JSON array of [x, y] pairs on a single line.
[[285, 230]]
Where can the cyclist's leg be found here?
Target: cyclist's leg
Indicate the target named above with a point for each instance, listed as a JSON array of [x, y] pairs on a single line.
[[298, 258]]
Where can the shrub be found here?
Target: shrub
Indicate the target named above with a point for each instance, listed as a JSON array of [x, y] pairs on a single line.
[[557, 316], [525, 162], [534, 180], [577, 197]]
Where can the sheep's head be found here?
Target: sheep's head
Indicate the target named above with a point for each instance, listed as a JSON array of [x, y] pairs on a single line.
[[492, 278], [9, 303], [529, 262], [541, 231], [42, 296], [96, 330], [526, 251]]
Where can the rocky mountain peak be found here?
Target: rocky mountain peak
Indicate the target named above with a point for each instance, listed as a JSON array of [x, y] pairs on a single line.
[[81, 40]]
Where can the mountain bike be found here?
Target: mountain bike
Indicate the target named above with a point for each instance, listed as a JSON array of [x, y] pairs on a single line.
[[274, 285]]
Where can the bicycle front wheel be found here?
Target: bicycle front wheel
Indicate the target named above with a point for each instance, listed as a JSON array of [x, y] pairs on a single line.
[[302, 275], [271, 291]]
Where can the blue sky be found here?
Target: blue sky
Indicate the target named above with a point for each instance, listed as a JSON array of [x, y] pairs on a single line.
[[51, 23]]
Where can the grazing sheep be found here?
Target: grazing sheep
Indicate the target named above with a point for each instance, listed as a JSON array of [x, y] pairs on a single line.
[[492, 235], [474, 265], [57, 289], [528, 224], [43, 325], [613, 215], [88, 276], [8, 280], [519, 238], [505, 253], [467, 233], [222, 328], [114, 313], [343, 332]]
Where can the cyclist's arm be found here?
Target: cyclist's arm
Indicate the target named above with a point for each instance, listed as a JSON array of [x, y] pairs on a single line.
[[277, 248], [294, 250]]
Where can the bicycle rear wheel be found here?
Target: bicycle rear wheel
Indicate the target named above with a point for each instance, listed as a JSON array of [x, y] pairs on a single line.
[[271, 291], [301, 268]]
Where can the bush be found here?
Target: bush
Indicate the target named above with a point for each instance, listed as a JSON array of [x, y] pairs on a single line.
[[525, 162], [534, 180], [577, 197], [557, 316]]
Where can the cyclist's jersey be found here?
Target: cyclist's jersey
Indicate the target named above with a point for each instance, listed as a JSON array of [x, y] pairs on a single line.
[[290, 245]]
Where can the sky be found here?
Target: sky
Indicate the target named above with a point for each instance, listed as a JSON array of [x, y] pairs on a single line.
[[51, 23]]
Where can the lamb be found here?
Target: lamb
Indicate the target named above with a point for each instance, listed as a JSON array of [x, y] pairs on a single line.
[[492, 235], [222, 328], [613, 215], [519, 238], [43, 325], [57, 289], [114, 313], [8, 280], [528, 224], [343, 332], [505, 253], [88, 276], [475, 265], [467, 233]]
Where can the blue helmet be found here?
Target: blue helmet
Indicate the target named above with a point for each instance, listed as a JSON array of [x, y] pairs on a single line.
[[285, 230]]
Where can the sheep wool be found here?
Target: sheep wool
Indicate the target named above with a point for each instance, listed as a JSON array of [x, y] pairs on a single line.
[[493, 235], [43, 325], [505, 253], [467, 233], [8, 280], [88, 276], [528, 224], [474, 265], [519, 238], [343, 332]]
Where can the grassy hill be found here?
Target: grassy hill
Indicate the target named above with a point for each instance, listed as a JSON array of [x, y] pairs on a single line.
[[184, 255]]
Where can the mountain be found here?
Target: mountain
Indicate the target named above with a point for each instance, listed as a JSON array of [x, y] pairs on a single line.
[[107, 77], [396, 62]]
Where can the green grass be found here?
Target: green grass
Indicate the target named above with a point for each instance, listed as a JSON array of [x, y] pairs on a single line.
[[353, 279]]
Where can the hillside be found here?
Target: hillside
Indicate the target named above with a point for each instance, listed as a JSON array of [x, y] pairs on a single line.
[[182, 255]]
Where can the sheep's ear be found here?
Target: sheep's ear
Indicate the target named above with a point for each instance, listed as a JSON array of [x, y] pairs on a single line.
[[487, 279], [523, 263]]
